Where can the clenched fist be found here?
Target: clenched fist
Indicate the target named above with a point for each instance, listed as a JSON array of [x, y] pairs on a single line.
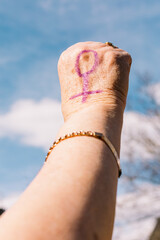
[[93, 73]]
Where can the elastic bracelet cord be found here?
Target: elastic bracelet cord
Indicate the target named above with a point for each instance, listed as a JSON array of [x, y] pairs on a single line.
[[89, 134]]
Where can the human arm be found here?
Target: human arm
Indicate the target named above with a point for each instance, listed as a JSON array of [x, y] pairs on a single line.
[[73, 196]]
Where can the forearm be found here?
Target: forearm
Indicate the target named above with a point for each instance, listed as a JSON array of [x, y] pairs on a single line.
[[73, 196]]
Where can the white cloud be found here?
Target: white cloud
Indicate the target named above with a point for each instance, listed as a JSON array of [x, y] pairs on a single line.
[[36, 124], [61, 7], [154, 91], [126, 12], [106, 11], [4, 60], [7, 57], [136, 214], [139, 136], [46, 4], [33, 123]]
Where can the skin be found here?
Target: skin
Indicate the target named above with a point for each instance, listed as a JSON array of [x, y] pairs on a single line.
[[111, 76], [85, 75], [73, 196]]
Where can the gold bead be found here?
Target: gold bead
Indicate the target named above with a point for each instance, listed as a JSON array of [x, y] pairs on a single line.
[[90, 133], [51, 147]]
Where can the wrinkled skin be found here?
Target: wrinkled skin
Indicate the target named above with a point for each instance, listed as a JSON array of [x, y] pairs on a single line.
[[111, 76]]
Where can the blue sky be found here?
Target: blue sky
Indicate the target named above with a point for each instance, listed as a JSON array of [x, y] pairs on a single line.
[[32, 36]]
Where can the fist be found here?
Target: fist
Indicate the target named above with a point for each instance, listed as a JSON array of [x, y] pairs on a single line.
[[93, 73]]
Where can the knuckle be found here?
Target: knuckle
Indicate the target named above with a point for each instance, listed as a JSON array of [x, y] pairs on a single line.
[[119, 57], [127, 57], [63, 57], [112, 56]]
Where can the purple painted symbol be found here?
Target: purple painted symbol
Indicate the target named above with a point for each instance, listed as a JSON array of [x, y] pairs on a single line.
[[85, 76]]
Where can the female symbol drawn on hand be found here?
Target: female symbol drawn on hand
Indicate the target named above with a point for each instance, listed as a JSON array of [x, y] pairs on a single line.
[[85, 76]]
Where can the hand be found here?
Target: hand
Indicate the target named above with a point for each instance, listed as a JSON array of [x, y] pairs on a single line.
[[93, 73]]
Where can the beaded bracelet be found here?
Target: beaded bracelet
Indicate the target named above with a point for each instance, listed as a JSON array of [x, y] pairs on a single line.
[[89, 134]]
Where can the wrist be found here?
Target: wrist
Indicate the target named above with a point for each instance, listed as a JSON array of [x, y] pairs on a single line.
[[110, 104], [97, 117]]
